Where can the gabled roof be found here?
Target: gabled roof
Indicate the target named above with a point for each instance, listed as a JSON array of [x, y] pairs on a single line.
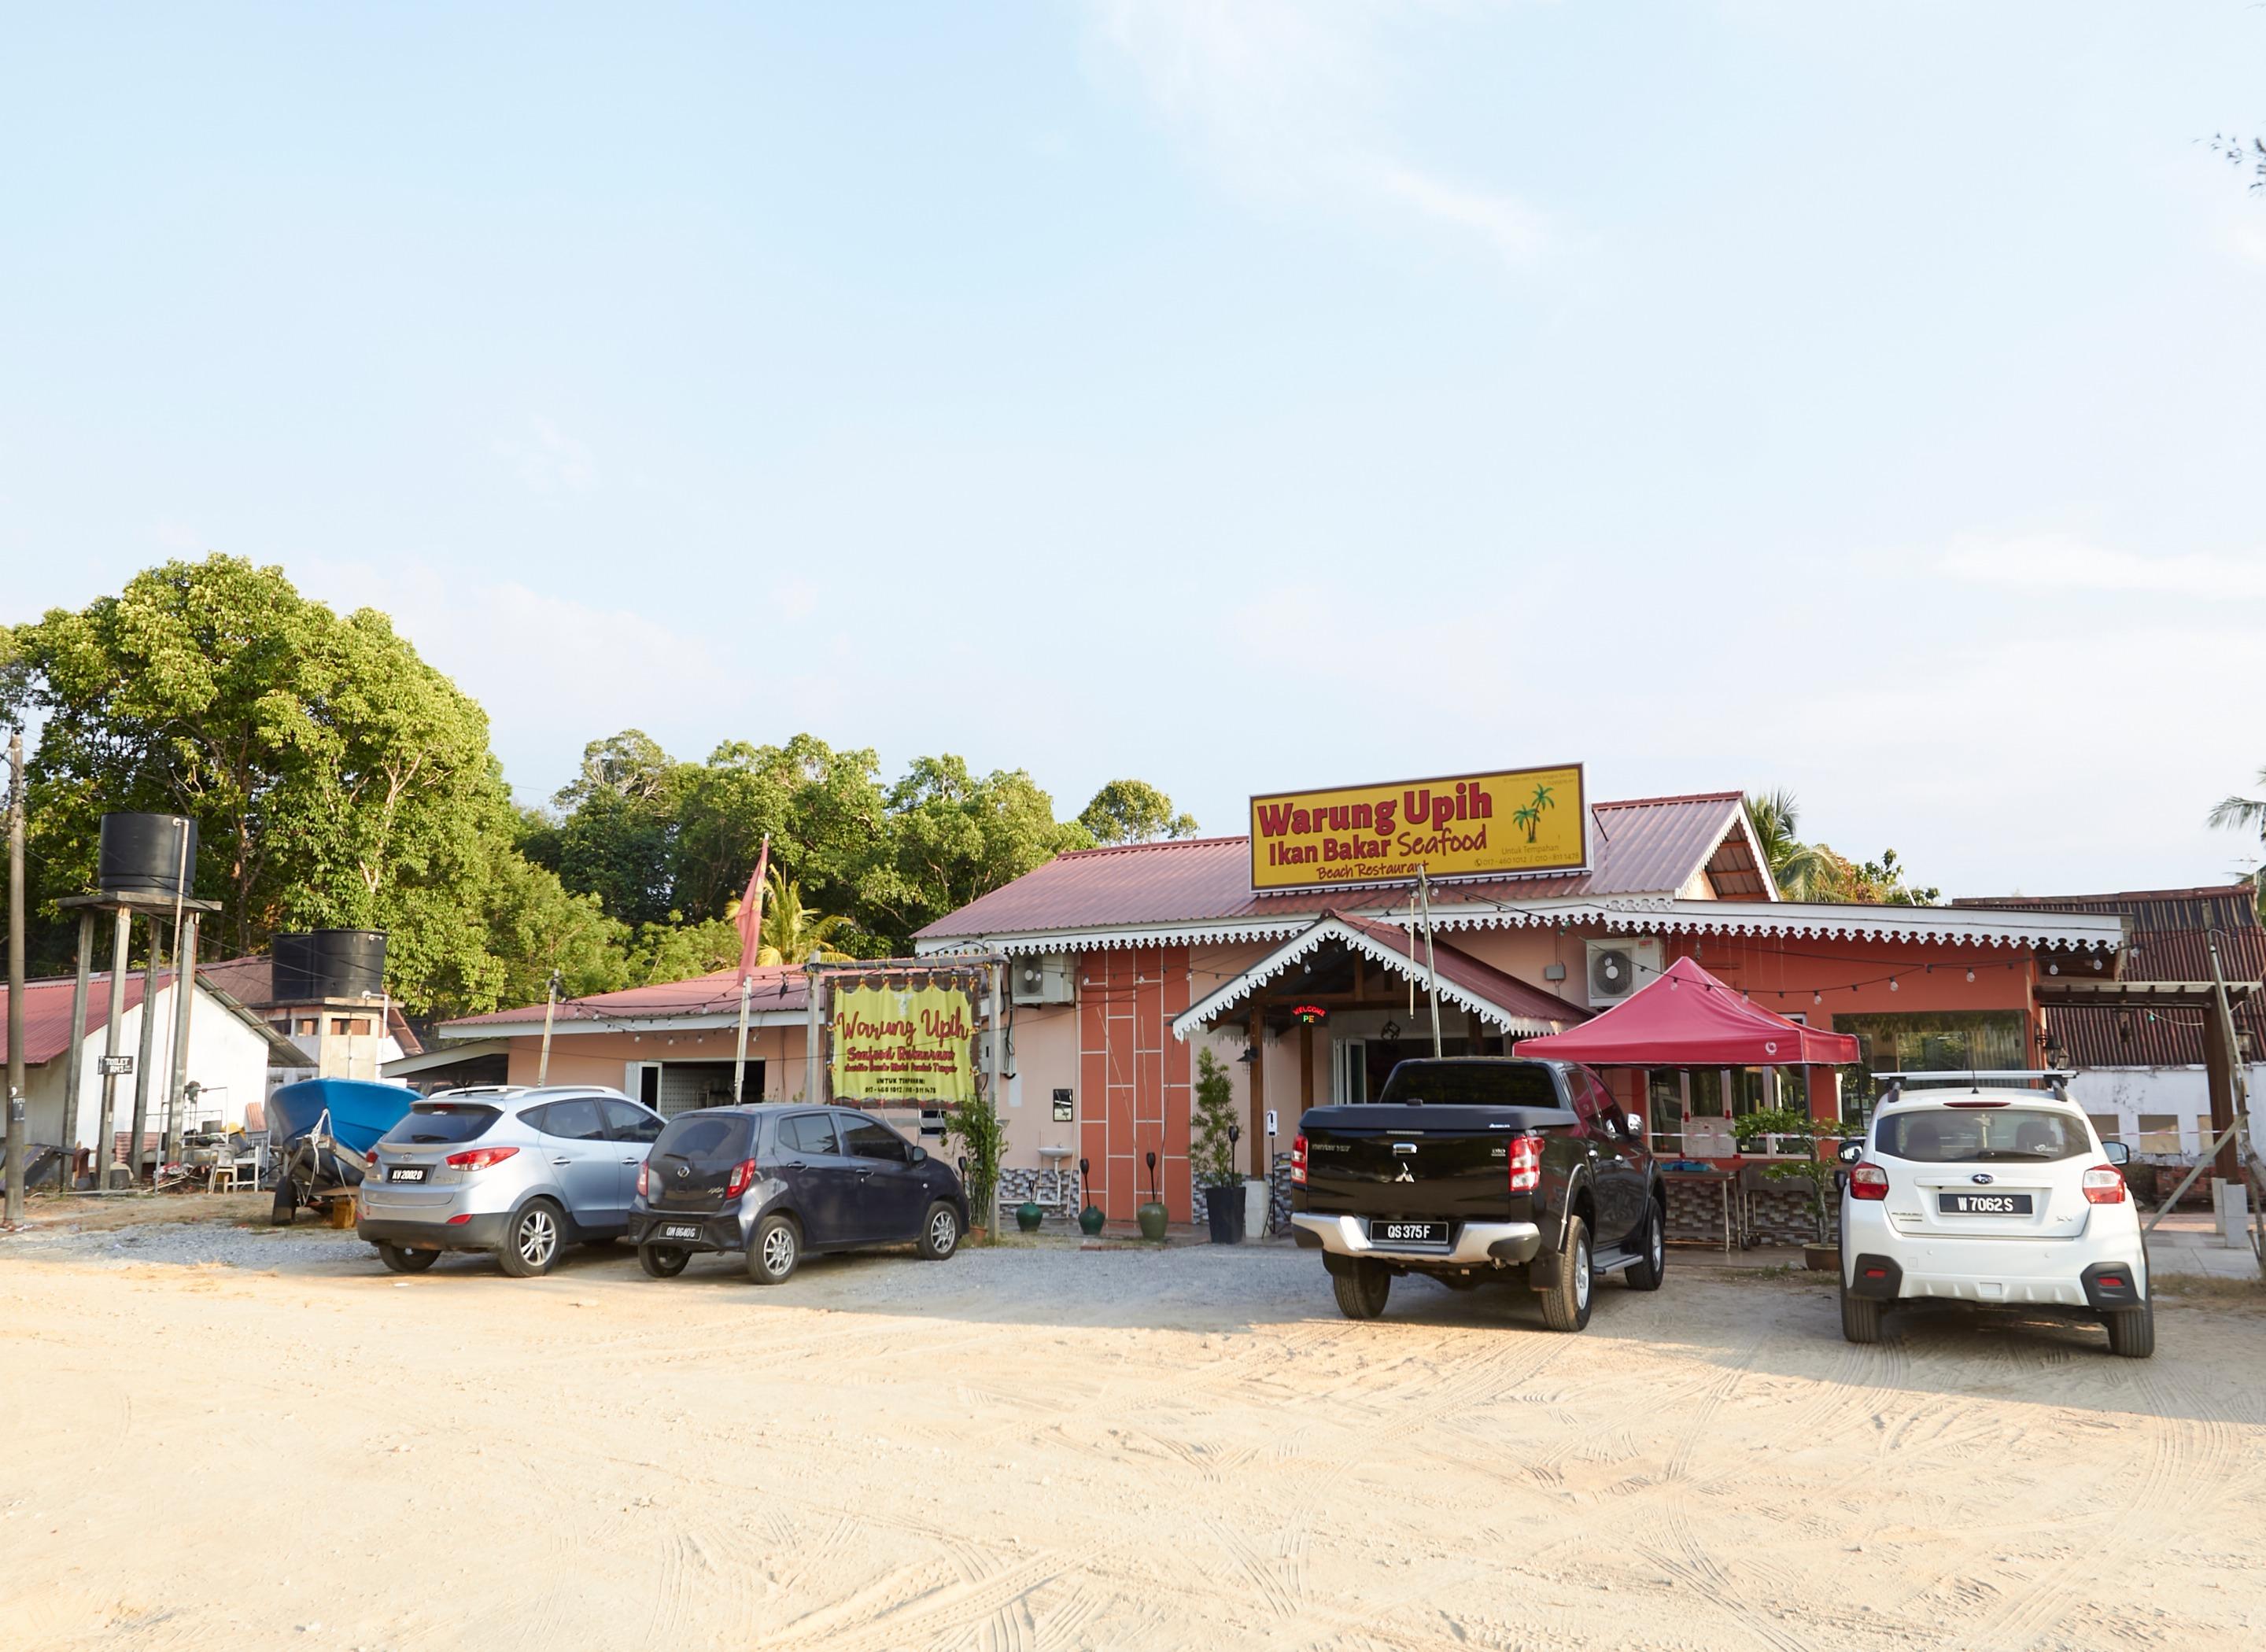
[[47, 1015], [781, 993], [251, 981], [1658, 846], [1501, 999]]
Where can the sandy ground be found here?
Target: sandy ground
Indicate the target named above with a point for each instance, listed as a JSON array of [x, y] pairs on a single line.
[[232, 1438]]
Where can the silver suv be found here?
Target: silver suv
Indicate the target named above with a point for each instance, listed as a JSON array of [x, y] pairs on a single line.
[[512, 1171]]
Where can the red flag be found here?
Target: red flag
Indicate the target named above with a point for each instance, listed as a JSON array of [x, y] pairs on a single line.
[[751, 913]]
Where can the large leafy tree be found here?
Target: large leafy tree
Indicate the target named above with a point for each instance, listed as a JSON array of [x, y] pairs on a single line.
[[954, 836], [1133, 812], [335, 776]]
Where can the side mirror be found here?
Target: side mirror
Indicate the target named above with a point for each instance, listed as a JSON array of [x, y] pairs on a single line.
[[1636, 1126], [1851, 1152], [920, 1154], [2117, 1153]]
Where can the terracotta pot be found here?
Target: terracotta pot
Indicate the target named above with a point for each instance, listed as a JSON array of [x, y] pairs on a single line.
[[1822, 1259]]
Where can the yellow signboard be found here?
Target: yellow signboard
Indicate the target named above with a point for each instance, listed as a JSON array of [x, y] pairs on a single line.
[[903, 1046], [1467, 825]]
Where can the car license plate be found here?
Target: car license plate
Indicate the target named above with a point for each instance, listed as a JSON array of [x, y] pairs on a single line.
[[1409, 1232], [1984, 1203], [405, 1173], [680, 1229]]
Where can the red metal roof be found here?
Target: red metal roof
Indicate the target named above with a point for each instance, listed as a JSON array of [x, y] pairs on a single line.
[[251, 981], [780, 987], [1649, 846], [1483, 980], [47, 1005]]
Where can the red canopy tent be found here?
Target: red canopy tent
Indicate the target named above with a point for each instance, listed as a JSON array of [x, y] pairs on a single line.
[[1689, 1019]]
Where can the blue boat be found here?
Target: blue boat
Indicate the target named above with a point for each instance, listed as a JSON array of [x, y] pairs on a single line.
[[361, 1111]]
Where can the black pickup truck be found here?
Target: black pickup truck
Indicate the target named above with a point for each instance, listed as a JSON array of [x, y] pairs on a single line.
[[1473, 1167]]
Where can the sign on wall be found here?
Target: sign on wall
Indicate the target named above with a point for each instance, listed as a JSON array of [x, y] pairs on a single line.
[[1469, 825], [903, 1045]]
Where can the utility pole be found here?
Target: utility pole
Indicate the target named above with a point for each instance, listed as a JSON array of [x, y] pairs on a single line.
[[145, 1062], [185, 999], [16, 1131], [550, 1008], [75, 1058], [1431, 961], [751, 934]]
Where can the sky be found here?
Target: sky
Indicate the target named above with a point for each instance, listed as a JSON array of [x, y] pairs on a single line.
[[1244, 395]]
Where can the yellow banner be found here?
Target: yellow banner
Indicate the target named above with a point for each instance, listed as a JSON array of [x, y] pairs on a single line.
[[1469, 825], [903, 1046]]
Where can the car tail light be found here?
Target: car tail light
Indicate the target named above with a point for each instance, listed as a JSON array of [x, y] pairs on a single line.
[[2103, 1186], [1298, 1161], [1525, 1163], [481, 1158], [742, 1173], [1868, 1181], [641, 1180]]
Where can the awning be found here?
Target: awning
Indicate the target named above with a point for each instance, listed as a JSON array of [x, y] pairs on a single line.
[[1501, 1000], [1689, 1019]]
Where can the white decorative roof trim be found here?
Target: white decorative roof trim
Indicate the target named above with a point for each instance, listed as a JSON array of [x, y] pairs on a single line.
[[1956, 926], [563, 1026], [1240, 987]]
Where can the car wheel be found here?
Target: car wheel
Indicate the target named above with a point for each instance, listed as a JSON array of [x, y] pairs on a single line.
[[774, 1251], [2132, 1331], [940, 1232], [663, 1261], [532, 1245], [285, 1211], [1645, 1273], [1566, 1280], [1860, 1317], [1361, 1290], [401, 1259]]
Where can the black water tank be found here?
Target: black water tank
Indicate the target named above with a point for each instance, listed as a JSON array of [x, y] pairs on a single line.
[[141, 854], [329, 963]]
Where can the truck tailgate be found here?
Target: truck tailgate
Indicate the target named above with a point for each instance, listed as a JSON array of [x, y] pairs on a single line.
[[1380, 1160]]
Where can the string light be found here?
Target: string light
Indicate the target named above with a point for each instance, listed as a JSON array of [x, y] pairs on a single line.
[[1970, 975]]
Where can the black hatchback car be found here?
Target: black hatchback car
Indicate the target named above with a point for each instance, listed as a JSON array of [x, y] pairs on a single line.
[[771, 1182]]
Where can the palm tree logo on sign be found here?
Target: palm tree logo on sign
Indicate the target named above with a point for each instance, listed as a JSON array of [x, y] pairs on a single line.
[[1530, 816]]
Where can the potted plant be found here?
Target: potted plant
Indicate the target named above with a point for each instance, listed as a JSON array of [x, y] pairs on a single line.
[[1796, 1131], [1152, 1216], [975, 1125], [1212, 1155]]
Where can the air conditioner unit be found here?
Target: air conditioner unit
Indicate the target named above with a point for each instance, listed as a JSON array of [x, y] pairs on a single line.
[[1042, 978], [1620, 967]]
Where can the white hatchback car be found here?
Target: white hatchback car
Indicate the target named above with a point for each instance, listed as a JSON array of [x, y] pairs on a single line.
[[1991, 1195]]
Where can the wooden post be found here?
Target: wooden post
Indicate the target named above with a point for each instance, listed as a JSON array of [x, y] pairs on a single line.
[[75, 1058], [1257, 1132], [145, 1060], [550, 1010], [2219, 1080], [1306, 1065], [17, 1135], [814, 1032]]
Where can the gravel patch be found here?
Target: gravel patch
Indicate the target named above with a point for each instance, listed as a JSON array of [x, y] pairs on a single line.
[[196, 1244]]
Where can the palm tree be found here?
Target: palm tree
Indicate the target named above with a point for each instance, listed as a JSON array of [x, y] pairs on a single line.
[[1800, 871], [794, 933], [1530, 817], [2242, 814]]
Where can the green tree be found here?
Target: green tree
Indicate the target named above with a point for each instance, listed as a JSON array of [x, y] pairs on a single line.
[[1133, 812], [335, 777], [792, 932], [1801, 872], [825, 811], [952, 836], [1212, 1152]]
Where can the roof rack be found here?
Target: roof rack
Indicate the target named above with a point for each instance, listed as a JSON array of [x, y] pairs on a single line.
[[2056, 1079]]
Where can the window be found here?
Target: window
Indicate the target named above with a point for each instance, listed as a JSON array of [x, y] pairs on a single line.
[[1473, 1084], [708, 1141], [1939, 1041], [2107, 1126], [310, 1025], [349, 1026], [438, 1123], [808, 1133], [865, 1139], [1663, 1096], [577, 1119], [631, 1124], [1954, 1135], [281, 1024], [2160, 1132]]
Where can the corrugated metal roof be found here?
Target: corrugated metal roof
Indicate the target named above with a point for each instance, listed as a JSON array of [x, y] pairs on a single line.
[[251, 981], [48, 1011], [1649, 846], [779, 987], [2229, 906]]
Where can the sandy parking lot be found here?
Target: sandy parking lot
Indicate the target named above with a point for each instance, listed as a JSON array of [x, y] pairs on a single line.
[[230, 1439]]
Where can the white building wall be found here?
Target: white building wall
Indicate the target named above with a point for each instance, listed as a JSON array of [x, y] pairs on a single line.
[[2181, 1093], [228, 1058]]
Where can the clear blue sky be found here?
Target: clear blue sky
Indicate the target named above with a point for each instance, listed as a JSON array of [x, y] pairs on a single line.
[[1864, 400]]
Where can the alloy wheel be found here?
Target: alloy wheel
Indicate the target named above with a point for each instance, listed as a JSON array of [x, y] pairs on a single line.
[[538, 1237], [943, 1232], [779, 1250], [1582, 1275]]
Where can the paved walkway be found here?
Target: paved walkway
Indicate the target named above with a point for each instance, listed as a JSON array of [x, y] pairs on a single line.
[[2189, 1243]]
